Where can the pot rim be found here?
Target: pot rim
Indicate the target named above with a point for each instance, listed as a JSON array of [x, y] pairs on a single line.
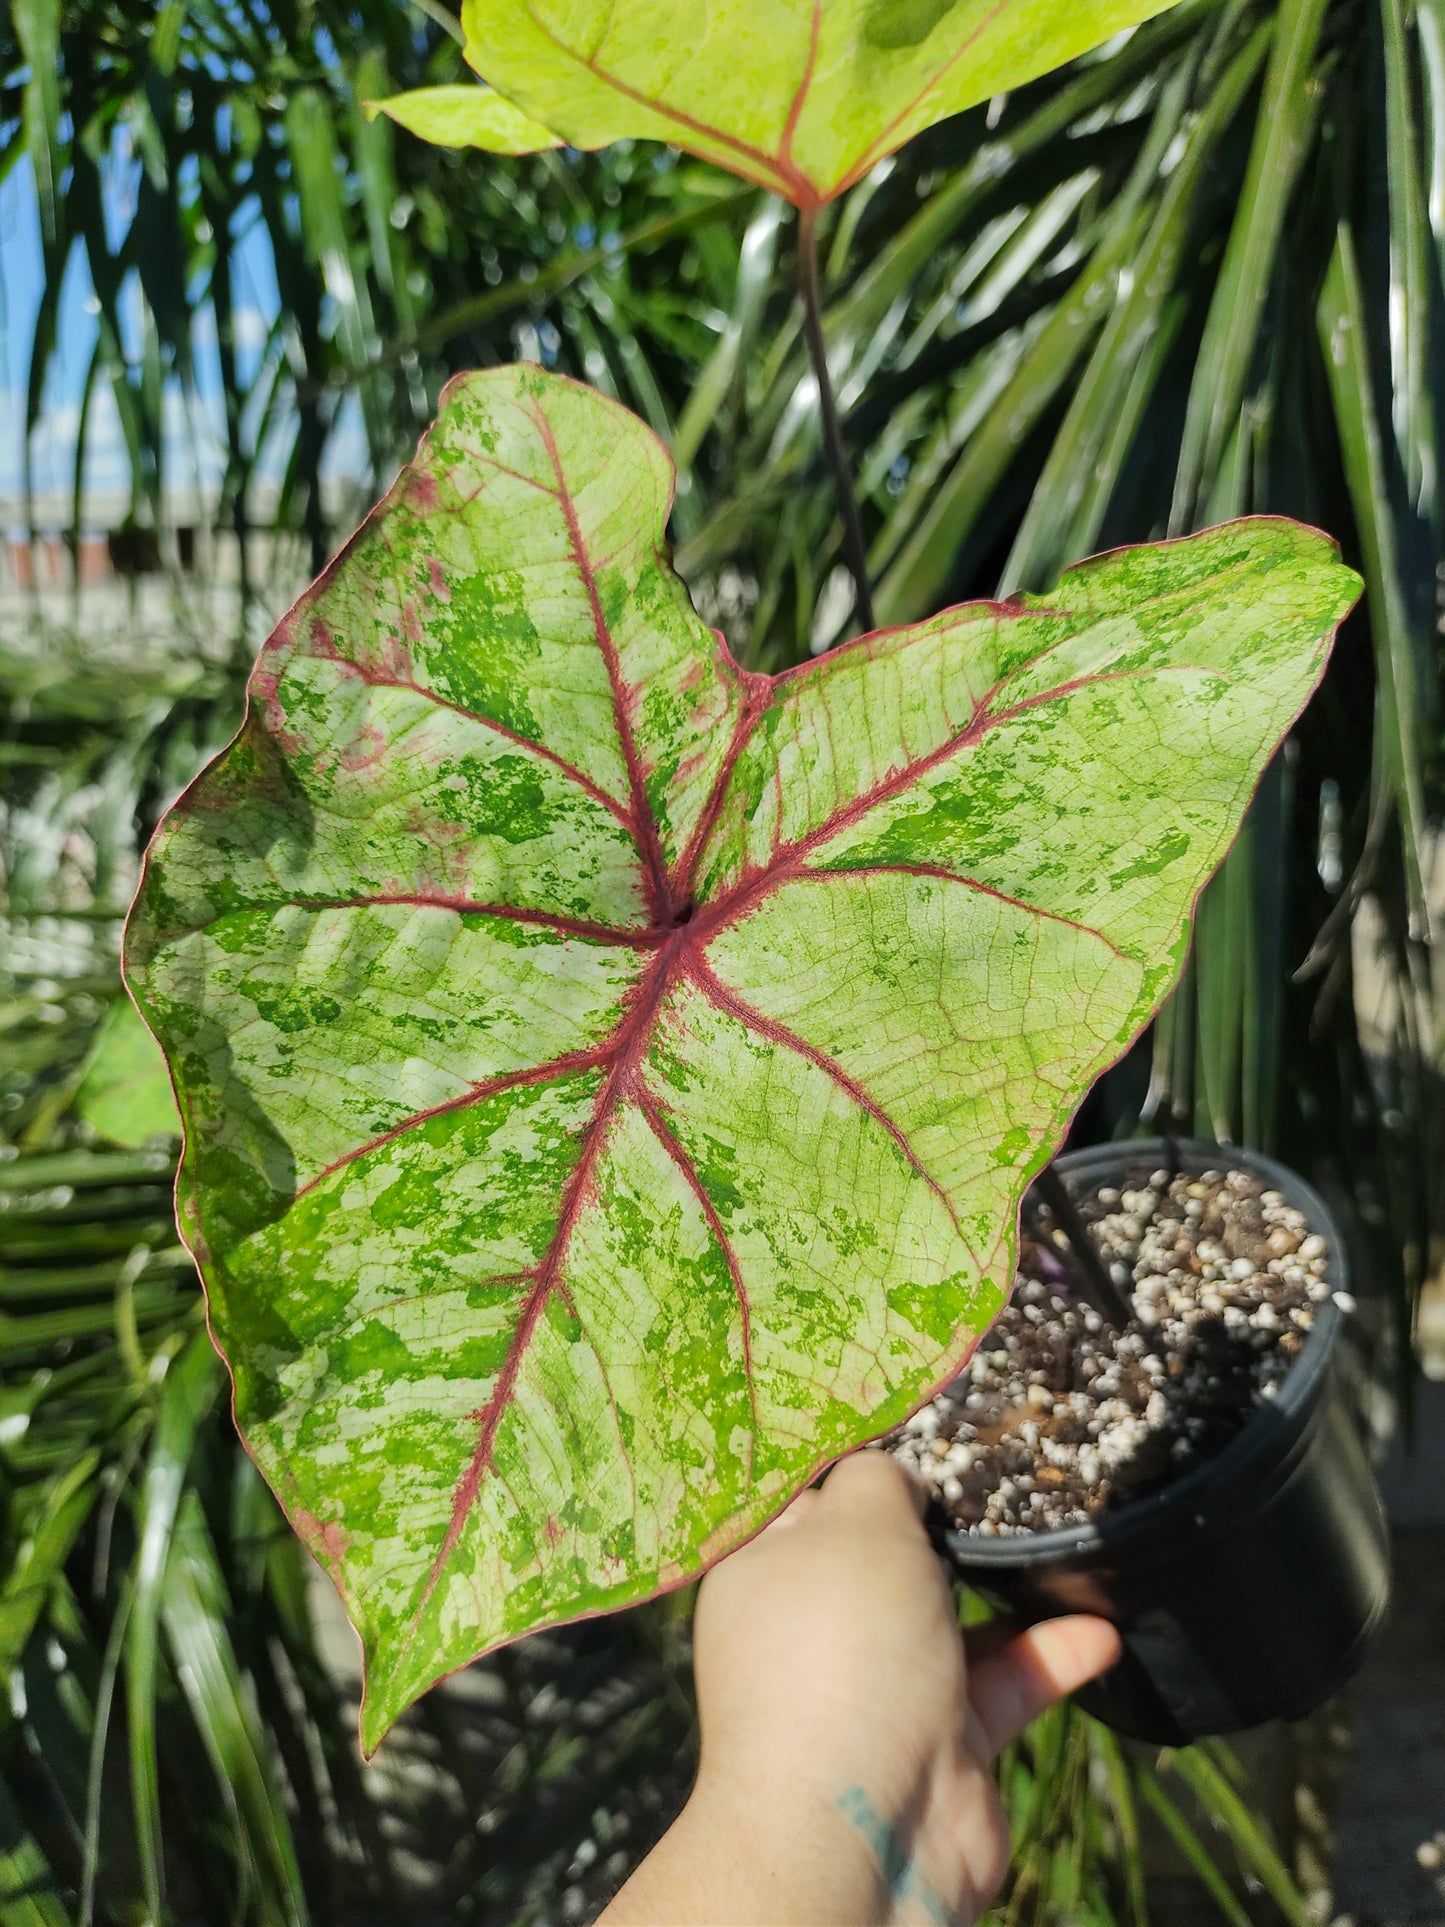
[[1140, 1515]]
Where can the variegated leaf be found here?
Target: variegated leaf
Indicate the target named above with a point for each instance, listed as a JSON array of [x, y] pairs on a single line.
[[609, 1078]]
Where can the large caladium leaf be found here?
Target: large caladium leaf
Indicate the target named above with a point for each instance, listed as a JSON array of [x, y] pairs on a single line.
[[802, 96], [609, 1078]]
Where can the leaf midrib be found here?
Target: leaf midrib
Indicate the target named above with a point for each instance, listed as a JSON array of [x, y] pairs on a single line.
[[782, 177], [778, 172], [649, 845]]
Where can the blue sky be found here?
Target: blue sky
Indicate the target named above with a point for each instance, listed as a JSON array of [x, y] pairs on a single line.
[[194, 437]]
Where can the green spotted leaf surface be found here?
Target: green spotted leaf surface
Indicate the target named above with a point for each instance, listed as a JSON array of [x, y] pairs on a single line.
[[609, 1078], [802, 96]]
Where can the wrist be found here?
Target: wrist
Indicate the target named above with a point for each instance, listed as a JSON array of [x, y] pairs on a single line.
[[783, 1844]]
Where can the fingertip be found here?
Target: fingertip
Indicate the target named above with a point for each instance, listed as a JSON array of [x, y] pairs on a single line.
[[1073, 1650], [1037, 1668]]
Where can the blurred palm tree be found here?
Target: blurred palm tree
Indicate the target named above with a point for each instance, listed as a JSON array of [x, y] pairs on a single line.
[[1196, 275], [175, 148]]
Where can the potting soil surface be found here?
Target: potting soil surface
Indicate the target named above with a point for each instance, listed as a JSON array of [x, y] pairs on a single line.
[[1058, 1417]]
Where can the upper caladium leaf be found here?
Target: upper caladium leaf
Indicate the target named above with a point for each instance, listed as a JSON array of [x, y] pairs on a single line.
[[802, 96], [609, 1078]]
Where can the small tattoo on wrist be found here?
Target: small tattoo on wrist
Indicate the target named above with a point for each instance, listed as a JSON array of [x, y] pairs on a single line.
[[900, 1876]]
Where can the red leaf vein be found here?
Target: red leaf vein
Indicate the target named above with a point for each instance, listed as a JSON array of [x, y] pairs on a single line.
[[674, 1149], [795, 106], [879, 144], [565, 1066], [624, 1049], [569, 770], [776, 172], [942, 875], [729, 1001], [470, 907], [643, 826]]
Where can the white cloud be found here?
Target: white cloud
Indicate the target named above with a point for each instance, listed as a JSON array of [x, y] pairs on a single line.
[[193, 450]]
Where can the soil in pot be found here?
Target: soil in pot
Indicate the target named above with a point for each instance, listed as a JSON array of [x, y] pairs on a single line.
[[1060, 1419]]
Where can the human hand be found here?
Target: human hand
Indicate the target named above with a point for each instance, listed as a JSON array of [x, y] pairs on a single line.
[[846, 1737]]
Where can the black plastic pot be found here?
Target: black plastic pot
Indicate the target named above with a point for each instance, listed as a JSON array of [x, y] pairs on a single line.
[[1248, 1589]]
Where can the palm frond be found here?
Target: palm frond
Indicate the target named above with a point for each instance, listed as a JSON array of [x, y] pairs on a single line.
[[1147, 293]]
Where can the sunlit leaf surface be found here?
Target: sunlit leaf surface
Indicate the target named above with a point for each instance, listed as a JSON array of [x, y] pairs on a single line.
[[803, 96], [466, 117]]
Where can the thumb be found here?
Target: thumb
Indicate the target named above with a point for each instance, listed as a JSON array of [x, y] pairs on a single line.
[[1035, 1669]]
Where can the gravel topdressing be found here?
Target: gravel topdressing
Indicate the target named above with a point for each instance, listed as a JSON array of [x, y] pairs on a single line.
[[1058, 1418]]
